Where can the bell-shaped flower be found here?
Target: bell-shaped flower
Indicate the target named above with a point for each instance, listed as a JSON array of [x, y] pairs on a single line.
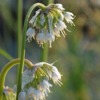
[[50, 37], [56, 32], [44, 86], [27, 77], [30, 34], [55, 75], [40, 38], [35, 94], [61, 25], [69, 17]]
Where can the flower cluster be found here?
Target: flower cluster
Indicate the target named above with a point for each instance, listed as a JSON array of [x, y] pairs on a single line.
[[35, 81], [48, 24]]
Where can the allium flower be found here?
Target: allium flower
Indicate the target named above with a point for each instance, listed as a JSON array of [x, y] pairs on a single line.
[[30, 34], [35, 81], [44, 86], [60, 6], [50, 37], [55, 75], [49, 20], [41, 38], [56, 32], [35, 94], [69, 17], [27, 77], [61, 25], [22, 96]]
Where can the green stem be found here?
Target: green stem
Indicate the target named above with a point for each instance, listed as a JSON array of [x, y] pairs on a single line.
[[5, 54], [45, 52], [20, 6], [19, 81], [6, 68]]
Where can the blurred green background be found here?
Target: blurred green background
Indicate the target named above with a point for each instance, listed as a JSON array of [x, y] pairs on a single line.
[[77, 55]]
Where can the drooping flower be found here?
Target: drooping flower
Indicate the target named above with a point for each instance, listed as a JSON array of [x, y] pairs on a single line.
[[55, 75], [27, 77], [56, 32], [50, 37], [49, 20], [41, 38], [30, 34], [35, 94], [44, 86], [61, 25], [36, 81], [69, 17]]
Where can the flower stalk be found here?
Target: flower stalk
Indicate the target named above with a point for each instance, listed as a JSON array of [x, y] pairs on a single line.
[[19, 37], [5, 70], [21, 66]]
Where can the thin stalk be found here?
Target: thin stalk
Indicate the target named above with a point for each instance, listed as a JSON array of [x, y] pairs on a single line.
[[5, 70], [20, 11], [21, 67], [45, 52]]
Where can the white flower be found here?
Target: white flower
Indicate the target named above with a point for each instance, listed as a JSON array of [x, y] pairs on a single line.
[[61, 25], [44, 86], [35, 16], [50, 37], [30, 34], [22, 96], [55, 75], [40, 38], [27, 77], [35, 94], [60, 6], [69, 17], [49, 20], [56, 32]]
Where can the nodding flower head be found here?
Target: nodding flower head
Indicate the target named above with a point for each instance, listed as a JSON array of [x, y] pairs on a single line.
[[50, 20], [36, 81]]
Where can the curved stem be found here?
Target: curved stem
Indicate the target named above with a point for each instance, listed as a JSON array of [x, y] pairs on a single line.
[[6, 68], [20, 71]]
